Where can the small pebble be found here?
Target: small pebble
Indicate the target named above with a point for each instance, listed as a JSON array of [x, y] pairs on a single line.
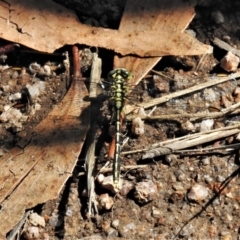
[[111, 232], [226, 236], [145, 191], [236, 91], [56, 220], [34, 67], [220, 178], [226, 38], [31, 233], [216, 201], [229, 195], [198, 193], [191, 169], [206, 125], [127, 186], [187, 126], [217, 17], [207, 178], [187, 231], [115, 223], [36, 89], [45, 236], [161, 84], [212, 231], [229, 217], [100, 178], [15, 75], [209, 95], [180, 175], [137, 126], [105, 201], [170, 158], [236, 206], [15, 96], [107, 183], [45, 71], [130, 176], [36, 220], [205, 161], [129, 226], [69, 212], [176, 197], [156, 213], [229, 62], [178, 187]]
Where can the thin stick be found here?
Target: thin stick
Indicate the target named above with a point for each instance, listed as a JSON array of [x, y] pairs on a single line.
[[173, 145], [191, 142], [76, 63], [161, 74], [199, 63], [211, 82], [191, 116], [228, 148], [91, 141], [194, 136], [123, 168]]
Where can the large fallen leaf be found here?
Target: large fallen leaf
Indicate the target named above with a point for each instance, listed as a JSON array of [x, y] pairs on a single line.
[[35, 174], [46, 26], [169, 18]]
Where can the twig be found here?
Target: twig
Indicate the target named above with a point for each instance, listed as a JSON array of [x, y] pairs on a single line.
[[95, 76], [196, 135], [199, 63], [76, 63], [161, 74], [194, 141], [192, 116], [226, 46], [173, 145], [92, 197], [91, 141], [123, 168], [227, 148], [211, 82]]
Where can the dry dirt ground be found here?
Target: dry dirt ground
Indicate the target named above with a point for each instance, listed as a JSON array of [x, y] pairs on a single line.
[[176, 196]]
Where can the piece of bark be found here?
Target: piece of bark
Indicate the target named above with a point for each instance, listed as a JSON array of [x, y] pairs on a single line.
[[36, 173], [169, 20], [47, 26]]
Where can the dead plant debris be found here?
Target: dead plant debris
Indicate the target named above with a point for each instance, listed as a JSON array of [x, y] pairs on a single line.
[[178, 177]]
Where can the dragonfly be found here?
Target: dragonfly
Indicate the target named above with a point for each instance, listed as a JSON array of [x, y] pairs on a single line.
[[119, 90]]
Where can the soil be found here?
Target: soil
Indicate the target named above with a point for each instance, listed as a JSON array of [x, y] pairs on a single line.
[[175, 196]]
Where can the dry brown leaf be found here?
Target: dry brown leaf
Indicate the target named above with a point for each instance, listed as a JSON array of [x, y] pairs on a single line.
[[36, 174], [171, 19], [47, 26]]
